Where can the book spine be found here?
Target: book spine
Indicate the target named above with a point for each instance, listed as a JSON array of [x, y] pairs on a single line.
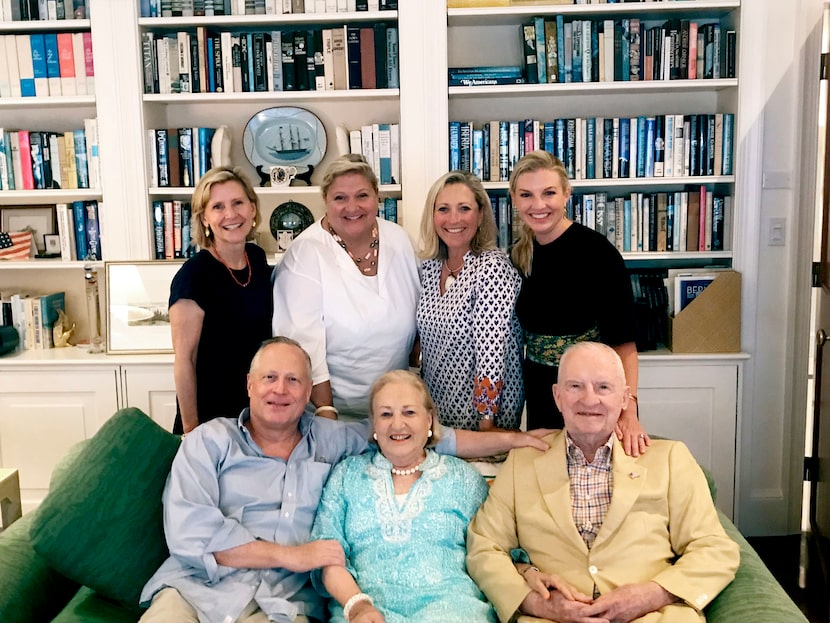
[[93, 231], [353, 57], [79, 219]]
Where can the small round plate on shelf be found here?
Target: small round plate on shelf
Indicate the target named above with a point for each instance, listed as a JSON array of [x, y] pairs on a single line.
[[288, 220], [283, 136]]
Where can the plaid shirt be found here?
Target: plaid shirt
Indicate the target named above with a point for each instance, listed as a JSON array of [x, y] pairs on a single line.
[[591, 487]]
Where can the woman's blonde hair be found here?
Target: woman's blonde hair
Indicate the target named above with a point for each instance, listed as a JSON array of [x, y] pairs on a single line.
[[201, 197], [539, 160], [432, 246], [415, 381], [345, 165]]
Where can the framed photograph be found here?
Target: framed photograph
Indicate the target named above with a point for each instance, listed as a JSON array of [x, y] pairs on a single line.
[[40, 220], [138, 320], [52, 244]]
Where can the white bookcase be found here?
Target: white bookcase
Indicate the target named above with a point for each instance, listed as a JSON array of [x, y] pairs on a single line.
[[431, 38]]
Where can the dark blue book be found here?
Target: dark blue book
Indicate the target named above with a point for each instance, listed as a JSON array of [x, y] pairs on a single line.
[[93, 231], [641, 146], [157, 214], [590, 147], [79, 216], [560, 46], [624, 164], [485, 71], [354, 70], [455, 145], [549, 137]]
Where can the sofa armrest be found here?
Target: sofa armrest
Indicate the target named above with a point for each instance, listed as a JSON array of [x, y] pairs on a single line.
[[754, 595], [30, 589]]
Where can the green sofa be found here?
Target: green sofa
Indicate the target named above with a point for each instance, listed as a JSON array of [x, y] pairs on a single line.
[[86, 552]]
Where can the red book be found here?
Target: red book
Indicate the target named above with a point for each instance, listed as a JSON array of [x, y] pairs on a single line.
[[368, 76], [26, 160], [89, 63], [66, 63]]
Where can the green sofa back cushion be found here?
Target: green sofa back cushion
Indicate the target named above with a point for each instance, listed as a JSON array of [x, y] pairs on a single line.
[[102, 527]]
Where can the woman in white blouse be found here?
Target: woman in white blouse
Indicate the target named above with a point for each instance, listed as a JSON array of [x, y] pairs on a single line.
[[470, 337], [347, 289]]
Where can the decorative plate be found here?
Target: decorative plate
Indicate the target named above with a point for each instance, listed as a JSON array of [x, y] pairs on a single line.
[[288, 220], [284, 136]]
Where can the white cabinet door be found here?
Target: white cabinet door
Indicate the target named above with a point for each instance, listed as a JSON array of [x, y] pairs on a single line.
[[44, 412], [150, 387], [696, 403]]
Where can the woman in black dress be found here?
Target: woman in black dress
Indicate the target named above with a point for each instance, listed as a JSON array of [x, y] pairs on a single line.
[[220, 301], [574, 288]]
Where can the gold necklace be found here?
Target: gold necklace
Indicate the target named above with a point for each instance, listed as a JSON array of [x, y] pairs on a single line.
[[453, 274], [371, 256], [230, 270]]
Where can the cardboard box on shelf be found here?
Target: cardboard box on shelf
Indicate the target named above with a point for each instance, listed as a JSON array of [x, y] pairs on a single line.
[[711, 323]]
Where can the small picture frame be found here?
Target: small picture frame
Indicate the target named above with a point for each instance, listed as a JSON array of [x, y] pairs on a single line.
[[52, 244], [40, 220], [138, 319]]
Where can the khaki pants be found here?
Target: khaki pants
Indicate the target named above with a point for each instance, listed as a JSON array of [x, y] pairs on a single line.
[[170, 607]]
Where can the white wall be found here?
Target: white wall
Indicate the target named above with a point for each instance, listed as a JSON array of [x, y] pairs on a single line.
[[780, 50]]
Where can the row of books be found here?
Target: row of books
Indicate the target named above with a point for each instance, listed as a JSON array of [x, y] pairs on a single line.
[[33, 315], [380, 146], [171, 229], [79, 229], [609, 50], [28, 10], [458, 4], [44, 64], [204, 61], [650, 308], [35, 160], [679, 221], [184, 8], [600, 147], [179, 156], [388, 209]]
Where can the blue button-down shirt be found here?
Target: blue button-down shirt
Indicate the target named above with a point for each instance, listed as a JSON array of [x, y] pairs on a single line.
[[223, 492]]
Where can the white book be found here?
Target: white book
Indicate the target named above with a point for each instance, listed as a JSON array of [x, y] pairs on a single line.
[[331, 6], [395, 140], [328, 60], [587, 61], [238, 7], [589, 214], [80, 63], [66, 232], [24, 65], [42, 10], [276, 60], [679, 146], [342, 6], [608, 49], [92, 155], [195, 154], [351, 6], [269, 64], [645, 223], [355, 142], [5, 84], [374, 5], [320, 6], [6, 10], [10, 45], [227, 59], [271, 7], [4, 169], [56, 157], [51, 9], [668, 154], [678, 206], [152, 158], [687, 143], [183, 61], [367, 147], [684, 222], [286, 6], [165, 84], [309, 6]]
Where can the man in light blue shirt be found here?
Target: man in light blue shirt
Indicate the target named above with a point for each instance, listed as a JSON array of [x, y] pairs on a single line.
[[242, 494]]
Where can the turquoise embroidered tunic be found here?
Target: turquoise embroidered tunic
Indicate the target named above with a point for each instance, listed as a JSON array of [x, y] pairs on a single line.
[[409, 556]]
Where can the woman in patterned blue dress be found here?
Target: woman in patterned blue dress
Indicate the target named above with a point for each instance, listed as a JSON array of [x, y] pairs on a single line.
[[401, 515], [471, 345]]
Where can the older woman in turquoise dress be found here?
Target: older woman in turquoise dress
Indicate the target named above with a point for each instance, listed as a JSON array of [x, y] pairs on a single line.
[[401, 515]]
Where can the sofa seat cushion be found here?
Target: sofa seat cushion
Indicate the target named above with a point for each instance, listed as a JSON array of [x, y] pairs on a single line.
[[102, 527], [90, 607]]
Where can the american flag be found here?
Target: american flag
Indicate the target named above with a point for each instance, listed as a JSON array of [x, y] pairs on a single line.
[[15, 245]]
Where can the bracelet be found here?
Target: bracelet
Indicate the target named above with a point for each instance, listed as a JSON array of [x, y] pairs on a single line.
[[531, 568], [326, 408], [355, 599]]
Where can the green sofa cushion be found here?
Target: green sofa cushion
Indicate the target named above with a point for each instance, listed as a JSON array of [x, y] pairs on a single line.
[[90, 607], [102, 527]]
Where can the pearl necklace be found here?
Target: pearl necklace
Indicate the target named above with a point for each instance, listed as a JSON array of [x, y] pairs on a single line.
[[230, 270], [407, 472], [453, 274], [371, 256]]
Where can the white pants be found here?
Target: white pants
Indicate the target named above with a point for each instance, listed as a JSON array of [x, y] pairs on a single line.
[[170, 607]]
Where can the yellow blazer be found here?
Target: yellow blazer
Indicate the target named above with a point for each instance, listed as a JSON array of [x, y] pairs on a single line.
[[661, 526]]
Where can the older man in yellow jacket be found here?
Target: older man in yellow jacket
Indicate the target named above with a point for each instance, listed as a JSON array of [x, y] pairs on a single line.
[[611, 538]]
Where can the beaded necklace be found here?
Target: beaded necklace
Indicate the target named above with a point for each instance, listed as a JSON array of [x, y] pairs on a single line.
[[371, 256], [407, 472], [230, 270]]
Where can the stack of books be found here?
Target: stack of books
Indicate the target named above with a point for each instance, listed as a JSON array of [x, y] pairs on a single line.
[[184, 8], [33, 316]]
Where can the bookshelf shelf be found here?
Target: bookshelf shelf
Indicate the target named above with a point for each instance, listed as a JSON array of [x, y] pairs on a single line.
[[268, 20], [273, 96], [49, 101], [517, 15], [263, 192], [643, 87], [644, 184], [34, 197], [44, 25], [48, 264]]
